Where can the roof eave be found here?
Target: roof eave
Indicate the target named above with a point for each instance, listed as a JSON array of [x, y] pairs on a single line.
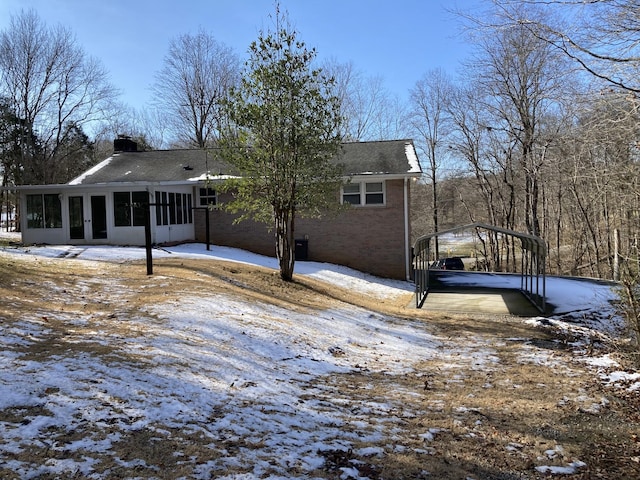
[[383, 176]]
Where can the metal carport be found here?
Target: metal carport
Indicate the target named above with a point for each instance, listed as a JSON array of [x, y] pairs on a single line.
[[532, 276]]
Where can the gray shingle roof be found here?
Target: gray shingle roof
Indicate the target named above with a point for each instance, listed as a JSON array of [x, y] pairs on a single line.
[[389, 157], [393, 157]]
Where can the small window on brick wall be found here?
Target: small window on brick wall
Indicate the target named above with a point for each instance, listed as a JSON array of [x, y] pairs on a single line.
[[351, 193], [208, 197], [374, 194], [364, 193]]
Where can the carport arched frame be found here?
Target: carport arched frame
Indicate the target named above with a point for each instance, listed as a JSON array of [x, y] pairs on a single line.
[[532, 276]]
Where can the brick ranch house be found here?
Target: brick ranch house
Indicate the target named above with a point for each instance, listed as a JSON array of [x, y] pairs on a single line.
[[101, 206]]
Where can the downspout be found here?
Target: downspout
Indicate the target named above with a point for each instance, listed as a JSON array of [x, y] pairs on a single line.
[[407, 246]]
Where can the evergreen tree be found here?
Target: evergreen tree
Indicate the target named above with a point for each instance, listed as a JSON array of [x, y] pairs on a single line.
[[73, 155], [282, 138], [9, 144]]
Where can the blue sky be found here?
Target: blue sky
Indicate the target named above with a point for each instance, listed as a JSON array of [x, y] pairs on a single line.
[[399, 40]]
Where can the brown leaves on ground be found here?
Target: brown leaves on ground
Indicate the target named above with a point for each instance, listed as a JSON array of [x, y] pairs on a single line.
[[530, 401]]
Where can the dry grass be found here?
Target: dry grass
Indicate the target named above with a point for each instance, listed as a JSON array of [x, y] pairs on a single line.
[[454, 417]]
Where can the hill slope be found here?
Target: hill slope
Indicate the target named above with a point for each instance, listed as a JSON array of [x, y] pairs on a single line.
[[214, 369]]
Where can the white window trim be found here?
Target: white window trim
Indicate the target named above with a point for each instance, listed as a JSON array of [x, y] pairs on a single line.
[[214, 196], [363, 194]]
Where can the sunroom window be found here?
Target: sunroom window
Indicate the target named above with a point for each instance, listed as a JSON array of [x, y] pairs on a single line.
[[129, 208], [174, 208], [44, 211]]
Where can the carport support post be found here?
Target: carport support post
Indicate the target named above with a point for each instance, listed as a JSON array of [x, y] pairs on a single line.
[[147, 233]]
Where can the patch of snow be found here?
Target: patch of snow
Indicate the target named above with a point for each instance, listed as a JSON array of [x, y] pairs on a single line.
[[412, 158], [207, 177], [559, 470], [78, 180], [234, 371], [630, 380], [371, 452], [430, 435], [602, 361]]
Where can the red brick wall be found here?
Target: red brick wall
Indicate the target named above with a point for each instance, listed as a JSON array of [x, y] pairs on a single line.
[[370, 239]]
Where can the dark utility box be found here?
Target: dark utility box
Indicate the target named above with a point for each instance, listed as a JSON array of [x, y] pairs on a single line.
[[302, 249]]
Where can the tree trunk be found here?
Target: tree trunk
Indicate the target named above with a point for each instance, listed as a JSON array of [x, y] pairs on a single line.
[[434, 196], [285, 244]]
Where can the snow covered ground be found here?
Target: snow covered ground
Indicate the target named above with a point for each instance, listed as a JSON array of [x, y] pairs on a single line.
[[214, 366]]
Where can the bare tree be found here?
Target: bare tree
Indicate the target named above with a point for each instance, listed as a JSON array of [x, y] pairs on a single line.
[[523, 78], [197, 74], [370, 112], [601, 36], [146, 126], [429, 120], [53, 87], [392, 123], [475, 143], [600, 157]]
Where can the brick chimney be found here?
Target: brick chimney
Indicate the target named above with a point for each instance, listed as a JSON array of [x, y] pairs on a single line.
[[124, 144]]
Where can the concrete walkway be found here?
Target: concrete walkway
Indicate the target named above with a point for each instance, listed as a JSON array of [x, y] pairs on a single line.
[[480, 300], [477, 292]]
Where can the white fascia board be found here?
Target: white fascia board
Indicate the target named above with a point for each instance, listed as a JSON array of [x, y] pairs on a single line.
[[101, 186], [381, 176]]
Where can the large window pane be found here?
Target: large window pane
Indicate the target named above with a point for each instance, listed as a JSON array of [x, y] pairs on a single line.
[[374, 193], [140, 207], [172, 208], [158, 201], [179, 208], [52, 211], [44, 211], [185, 206], [207, 197], [351, 193], [122, 209], [165, 209], [35, 213]]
